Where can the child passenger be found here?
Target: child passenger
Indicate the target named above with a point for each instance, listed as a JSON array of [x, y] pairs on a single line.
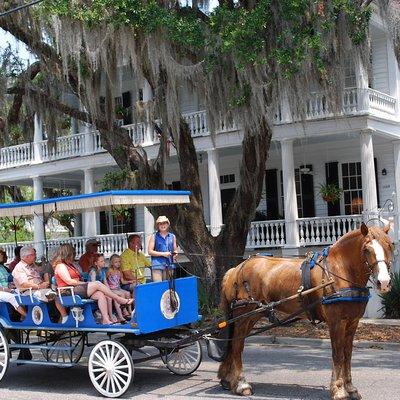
[[115, 279], [98, 273]]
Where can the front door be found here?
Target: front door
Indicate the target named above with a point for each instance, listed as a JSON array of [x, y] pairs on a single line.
[[226, 198]]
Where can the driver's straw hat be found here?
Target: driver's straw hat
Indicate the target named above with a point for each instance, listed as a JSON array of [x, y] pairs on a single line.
[[162, 219]]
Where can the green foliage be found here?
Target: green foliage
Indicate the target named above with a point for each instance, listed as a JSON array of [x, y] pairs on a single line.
[[246, 33], [7, 229], [120, 179], [206, 305], [391, 300], [330, 193]]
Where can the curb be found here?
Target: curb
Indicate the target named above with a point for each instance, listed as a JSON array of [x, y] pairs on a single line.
[[323, 343]]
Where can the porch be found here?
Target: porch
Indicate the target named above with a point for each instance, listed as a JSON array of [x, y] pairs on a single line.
[[318, 231], [356, 102]]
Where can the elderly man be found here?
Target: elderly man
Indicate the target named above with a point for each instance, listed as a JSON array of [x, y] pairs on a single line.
[[133, 261], [27, 275], [86, 260]]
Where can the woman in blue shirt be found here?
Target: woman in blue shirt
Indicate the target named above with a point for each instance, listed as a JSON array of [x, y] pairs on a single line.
[[163, 251]]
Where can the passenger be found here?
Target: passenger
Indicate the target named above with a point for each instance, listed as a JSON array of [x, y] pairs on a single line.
[[6, 294], [163, 250], [114, 280], [16, 260], [133, 263], [86, 260], [27, 276], [98, 273], [67, 274]]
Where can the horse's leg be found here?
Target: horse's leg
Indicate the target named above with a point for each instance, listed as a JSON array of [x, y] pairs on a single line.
[[348, 351], [337, 330], [230, 370]]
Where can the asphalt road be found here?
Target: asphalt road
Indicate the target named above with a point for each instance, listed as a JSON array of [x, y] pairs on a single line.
[[276, 371]]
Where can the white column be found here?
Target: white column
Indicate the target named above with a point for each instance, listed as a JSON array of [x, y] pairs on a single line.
[[147, 97], [89, 217], [370, 199], [290, 199], [77, 218], [89, 139], [148, 227], [37, 139], [214, 192], [38, 228], [396, 154]]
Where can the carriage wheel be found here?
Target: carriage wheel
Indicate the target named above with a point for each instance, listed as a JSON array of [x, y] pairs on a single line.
[[64, 356], [110, 368], [184, 360], [4, 354]]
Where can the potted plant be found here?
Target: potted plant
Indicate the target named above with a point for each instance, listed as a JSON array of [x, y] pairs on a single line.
[[119, 112], [330, 192], [121, 213]]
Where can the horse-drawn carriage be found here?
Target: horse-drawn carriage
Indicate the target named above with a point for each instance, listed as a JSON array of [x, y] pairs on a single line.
[[335, 292], [162, 313]]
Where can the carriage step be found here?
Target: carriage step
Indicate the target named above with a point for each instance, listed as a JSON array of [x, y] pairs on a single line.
[[32, 346], [49, 363]]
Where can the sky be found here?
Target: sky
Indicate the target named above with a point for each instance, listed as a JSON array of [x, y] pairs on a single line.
[[20, 48], [6, 38]]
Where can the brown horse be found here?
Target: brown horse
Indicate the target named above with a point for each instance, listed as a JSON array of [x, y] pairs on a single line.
[[352, 260]]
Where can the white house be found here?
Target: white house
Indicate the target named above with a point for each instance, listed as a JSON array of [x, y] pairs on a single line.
[[359, 150]]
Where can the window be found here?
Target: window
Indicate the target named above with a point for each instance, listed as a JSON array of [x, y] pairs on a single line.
[[349, 74], [230, 178], [352, 188]]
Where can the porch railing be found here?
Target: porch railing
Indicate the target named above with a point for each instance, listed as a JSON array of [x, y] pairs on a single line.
[[326, 230], [109, 244], [266, 234], [318, 231], [12, 156]]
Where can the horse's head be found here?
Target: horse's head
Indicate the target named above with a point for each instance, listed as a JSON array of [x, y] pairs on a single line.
[[377, 254]]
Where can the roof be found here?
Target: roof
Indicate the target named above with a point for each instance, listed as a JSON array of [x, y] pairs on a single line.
[[95, 202]]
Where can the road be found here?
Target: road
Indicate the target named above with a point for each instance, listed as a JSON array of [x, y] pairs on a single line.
[[278, 372]]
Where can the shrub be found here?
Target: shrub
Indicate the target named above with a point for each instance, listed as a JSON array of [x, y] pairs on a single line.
[[391, 300]]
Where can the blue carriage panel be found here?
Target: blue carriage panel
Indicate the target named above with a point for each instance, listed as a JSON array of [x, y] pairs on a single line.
[[152, 305]]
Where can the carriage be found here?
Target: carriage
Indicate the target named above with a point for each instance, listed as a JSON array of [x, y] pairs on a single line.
[[159, 326]]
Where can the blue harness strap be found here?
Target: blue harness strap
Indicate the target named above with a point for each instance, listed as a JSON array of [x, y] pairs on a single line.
[[357, 295]]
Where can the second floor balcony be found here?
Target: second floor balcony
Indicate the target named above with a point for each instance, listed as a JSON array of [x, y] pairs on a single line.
[[355, 102]]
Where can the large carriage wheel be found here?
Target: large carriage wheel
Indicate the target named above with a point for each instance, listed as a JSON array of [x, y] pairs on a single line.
[[4, 354], [110, 368], [184, 360], [57, 355]]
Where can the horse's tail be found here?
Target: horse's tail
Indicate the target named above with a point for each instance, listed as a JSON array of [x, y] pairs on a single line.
[[226, 298]]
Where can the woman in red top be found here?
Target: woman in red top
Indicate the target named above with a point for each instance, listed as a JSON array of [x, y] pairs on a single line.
[[67, 274]]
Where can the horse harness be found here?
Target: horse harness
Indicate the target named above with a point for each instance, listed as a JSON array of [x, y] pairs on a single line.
[[348, 294]]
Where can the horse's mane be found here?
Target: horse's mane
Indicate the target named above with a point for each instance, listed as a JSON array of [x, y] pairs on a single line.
[[374, 231]]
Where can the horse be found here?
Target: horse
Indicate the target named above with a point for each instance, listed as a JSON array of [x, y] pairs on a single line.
[[357, 257]]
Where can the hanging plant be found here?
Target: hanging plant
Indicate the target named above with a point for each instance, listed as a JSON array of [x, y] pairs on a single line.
[[121, 213], [330, 193]]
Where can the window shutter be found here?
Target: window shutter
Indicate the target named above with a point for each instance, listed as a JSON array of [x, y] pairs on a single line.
[[332, 177], [271, 186]]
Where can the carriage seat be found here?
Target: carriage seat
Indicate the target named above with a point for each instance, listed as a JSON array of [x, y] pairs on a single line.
[[74, 301], [27, 298]]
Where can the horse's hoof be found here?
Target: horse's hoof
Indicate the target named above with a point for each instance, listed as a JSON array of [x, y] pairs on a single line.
[[225, 384], [341, 397], [355, 396], [244, 389]]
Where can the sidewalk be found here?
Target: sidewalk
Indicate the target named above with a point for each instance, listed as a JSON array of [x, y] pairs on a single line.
[[312, 342], [380, 321]]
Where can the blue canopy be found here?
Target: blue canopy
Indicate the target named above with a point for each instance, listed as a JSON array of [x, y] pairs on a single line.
[[95, 202]]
